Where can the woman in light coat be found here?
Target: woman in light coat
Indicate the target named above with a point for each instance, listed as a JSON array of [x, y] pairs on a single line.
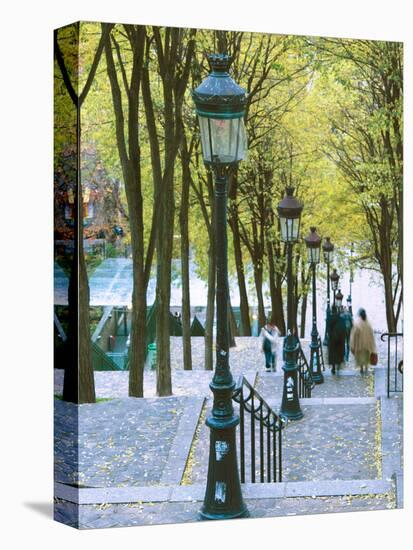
[[268, 344], [362, 343]]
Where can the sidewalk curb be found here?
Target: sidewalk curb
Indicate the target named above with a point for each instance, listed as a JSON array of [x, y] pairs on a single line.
[[181, 446]]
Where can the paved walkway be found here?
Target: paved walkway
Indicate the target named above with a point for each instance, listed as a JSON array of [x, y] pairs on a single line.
[[144, 461], [152, 513]]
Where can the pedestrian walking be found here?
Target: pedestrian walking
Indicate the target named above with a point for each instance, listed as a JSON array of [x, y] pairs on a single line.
[[348, 323], [336, 341], [268, 345], [362, 342]]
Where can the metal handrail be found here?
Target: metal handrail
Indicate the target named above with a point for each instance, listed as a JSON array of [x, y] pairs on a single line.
[[397, 377], [270, 445], [305, 378], [100, 360]]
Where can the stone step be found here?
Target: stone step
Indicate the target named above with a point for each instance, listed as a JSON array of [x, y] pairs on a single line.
[[185, 493]]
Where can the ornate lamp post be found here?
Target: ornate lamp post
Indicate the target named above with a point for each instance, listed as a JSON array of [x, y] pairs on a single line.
[[220, 106], [334, 278], [349, 298], [313, 243], [328, 251], [289, 212]]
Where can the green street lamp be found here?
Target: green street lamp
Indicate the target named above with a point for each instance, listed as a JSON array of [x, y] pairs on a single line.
[[220, 106], [289, 213], [313, 244], [349, 304], [334, 278], [328, 253]]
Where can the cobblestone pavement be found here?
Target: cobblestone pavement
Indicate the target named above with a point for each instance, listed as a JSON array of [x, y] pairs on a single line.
[[123, 515], [121, 442], [270, 386], [330, 442], [130, 442], [111, 384], [245, 359]]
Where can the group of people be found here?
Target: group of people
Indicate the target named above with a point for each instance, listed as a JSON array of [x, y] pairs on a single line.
[[344, 337]]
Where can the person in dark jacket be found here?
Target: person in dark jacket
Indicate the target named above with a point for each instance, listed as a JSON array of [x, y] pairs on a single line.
[[348, 322], [336, 342]]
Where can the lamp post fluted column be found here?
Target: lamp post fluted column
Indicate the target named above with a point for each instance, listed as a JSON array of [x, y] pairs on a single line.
[[313, 242], [328, 309], [223, 498]]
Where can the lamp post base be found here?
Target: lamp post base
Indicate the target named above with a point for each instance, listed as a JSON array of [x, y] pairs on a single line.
[[292, 415], [290, 404], [216, 516], [223, 498]]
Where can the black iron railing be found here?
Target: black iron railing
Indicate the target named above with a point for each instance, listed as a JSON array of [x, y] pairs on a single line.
[[260, 435], [394, 361], [305, 378]]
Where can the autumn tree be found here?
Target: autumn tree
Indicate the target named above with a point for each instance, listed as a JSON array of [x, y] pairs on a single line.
[[78, 384]]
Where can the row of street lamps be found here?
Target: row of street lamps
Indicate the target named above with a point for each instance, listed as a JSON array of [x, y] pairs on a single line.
[[220, 105]]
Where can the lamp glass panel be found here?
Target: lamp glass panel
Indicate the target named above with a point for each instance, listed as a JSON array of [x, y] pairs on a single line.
[[223, 140], [313, 255], [284, 229], [328, 256], [290, 228], [295, 229]]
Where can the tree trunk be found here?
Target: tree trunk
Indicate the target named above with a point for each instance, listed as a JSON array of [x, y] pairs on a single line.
[[210, 310], [245, 329], [78, 383], [388, 295], [260, 297], [303, 314], [232, 325], [277, 313], [174, 74], [130, 159], [164, 241], [86, 375], [183, 220]]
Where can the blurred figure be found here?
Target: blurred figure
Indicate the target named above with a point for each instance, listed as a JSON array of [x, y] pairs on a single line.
[[336, 342], [268, 344], [362, 342], [348, 323]]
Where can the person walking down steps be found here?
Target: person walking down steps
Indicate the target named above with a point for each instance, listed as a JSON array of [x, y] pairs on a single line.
[[336, 340], [268, 345], [362, 342]]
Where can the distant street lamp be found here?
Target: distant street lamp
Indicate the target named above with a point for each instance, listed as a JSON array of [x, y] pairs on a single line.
[[349, 299], [334, 278], [313, 243], [289, 212], [220, 106], [328, 252]]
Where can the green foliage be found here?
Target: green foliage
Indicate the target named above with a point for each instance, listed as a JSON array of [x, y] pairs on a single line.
[[323, 115]]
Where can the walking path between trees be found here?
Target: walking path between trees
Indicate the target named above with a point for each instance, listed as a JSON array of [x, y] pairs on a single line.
[[144, 461]]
